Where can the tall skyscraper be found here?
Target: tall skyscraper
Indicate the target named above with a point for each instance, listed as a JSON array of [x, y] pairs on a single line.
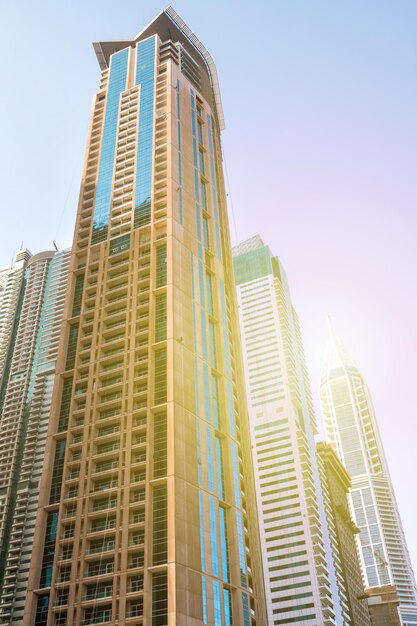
[[25, 401], [148, 512], [351, 428], [300, 575]]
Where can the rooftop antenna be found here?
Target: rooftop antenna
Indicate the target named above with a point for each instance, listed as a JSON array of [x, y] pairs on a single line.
[[55, 246], [330, 327]]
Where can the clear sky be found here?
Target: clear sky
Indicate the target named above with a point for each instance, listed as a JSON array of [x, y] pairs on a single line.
[[320, 101]]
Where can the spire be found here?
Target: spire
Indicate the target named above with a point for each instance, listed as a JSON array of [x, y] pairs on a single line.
[[336, 355]]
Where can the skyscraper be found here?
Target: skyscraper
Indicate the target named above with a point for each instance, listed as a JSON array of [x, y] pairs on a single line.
[[299, 571], [351, 428], [25, 402], [147, 512]]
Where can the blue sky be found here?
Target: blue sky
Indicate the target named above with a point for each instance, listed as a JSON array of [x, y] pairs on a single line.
[[320, 101]]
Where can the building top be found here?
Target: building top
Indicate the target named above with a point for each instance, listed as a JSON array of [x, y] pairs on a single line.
[[331, 460], [254, 243], [252, 259], [337, 358], [169, 26]]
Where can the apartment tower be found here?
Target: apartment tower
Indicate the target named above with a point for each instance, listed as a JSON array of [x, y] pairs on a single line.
[[25, 402], [148, 511], [299, 571], [352, 430]]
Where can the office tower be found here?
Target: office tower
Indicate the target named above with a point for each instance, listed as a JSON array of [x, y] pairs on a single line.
[[335, 486], [148, 512], [24, 412], [352, 430], [300, 577]]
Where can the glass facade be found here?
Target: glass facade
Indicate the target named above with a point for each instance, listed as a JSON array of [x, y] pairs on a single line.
[[145, 77], [117, 84]]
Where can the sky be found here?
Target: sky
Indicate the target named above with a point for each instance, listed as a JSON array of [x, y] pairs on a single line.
[[320, 152]]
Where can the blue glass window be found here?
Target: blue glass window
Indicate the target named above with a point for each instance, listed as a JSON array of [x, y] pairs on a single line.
[[204, 594], [215, 398], [210, 460], [145, 77], [245, 605], [213, 538], [219, 469], [217, 604], [202, 551], [235, 469], [212, 337], [209, 294], [223, 545], [207, 404], [241, 547], [117, 84], [227, 599]]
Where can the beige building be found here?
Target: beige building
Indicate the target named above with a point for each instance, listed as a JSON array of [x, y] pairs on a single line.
[[336, 484], [383, 605], [147, 512]]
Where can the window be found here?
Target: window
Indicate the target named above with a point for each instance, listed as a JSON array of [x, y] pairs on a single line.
[[201, 161], [206, 232], [57, 472], [160, 317], [160, 599], [160, 444], [160, 526], [160, 377], [203, 194], [161, 266], [72, 347], [199, 132]]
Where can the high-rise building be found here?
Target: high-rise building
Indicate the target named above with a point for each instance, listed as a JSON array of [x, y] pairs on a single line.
[[25, 402], [336, 484], [148, 511], [352, 430], [299, 571], [12, 281]]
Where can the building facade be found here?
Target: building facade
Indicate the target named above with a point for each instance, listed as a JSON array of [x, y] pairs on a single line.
[[299, 570], [335, 485], [148, 512], [24, 412], [352, 430]]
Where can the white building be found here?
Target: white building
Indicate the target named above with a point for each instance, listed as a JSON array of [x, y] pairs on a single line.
[[352, 430], [299, 572]]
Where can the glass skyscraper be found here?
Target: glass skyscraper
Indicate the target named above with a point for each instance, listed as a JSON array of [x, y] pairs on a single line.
[[147, 505], [31, 316], [352, 430], [301, 576]]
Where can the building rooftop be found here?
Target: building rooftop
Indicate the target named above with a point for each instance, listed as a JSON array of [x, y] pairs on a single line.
[[169, 25]]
